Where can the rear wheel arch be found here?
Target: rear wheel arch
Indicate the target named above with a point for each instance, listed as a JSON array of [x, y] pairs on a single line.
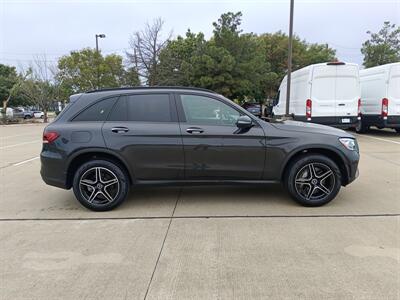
[[332, 154], [93, 154]]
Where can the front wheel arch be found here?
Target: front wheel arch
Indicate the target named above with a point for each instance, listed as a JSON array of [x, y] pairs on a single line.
[[322, 151]]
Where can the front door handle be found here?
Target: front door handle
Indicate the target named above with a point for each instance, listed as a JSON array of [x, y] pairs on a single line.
[[119, 129], [194, 130]]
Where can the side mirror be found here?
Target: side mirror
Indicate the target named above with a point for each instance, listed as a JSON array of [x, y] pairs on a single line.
[[244, 122]]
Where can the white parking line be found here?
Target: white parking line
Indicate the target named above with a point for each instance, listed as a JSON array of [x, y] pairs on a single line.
[[20, 144], [25, 161], [379, 139], [18, 135]]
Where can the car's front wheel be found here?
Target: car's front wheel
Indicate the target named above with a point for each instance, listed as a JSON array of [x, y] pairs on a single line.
[[100, 185], [313, 180]]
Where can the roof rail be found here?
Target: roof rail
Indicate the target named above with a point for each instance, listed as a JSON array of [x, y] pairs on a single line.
[[150, 87]]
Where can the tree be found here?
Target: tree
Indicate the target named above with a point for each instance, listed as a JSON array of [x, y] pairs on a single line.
[[39, 85], [382, 47], [9, 84], [146, 46], [88, 69], [175, 66], [275, 51]]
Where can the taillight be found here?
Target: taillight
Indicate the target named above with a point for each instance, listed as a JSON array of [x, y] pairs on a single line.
[[385, 104], [359, 108], [50, 136], [308, 109]]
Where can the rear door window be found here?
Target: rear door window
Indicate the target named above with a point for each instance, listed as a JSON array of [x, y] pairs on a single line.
[[97, 112], [142, 108]]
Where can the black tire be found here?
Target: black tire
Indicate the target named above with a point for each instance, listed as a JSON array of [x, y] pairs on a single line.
[[397, 130], [361, 127], [106, 194], [299, 184]]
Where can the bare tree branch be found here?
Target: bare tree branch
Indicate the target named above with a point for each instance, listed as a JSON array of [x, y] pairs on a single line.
[[146, 46]]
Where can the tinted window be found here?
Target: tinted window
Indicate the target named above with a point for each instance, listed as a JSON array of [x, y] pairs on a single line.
[[145, 108], [97, 112], [205, 110], [120, 111]]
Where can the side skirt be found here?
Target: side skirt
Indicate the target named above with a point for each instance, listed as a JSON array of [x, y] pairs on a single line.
[[202, 182]]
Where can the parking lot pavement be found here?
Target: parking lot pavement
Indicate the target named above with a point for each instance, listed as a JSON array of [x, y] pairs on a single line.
[[220, 242], [264, 258], [78, 259]]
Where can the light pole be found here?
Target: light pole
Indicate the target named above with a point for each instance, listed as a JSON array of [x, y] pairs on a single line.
[[289, 74], [102, 36]]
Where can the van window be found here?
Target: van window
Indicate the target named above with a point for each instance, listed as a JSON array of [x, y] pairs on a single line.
[[97, 112], [144, 108]]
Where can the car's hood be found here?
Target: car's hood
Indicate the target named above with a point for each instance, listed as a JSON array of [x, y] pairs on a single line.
[[309, 127]]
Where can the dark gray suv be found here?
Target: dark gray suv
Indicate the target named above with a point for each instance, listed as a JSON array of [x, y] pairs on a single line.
[[106, 141]]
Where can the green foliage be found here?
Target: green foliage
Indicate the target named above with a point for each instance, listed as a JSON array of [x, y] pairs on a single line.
[[235, 64], [8, 78], [382, 47], [275, 49], [87, 69]]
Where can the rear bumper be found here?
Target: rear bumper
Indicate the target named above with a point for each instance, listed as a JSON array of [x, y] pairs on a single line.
[[53, 170], [336, 121], [379, 121]]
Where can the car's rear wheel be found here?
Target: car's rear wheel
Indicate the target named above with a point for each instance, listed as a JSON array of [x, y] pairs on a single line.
[[397, 130], [100, 185], [313, 180]]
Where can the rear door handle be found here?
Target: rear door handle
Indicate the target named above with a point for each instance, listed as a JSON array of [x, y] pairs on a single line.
[[194, 130], [119, 129], [341, 104]]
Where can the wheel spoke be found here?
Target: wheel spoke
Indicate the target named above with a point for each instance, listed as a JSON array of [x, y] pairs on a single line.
[[310, 192], [93, 195], [87, 183], [325, 175], [313, 173], [107, 195], [323, 189], [98, 175], [302, 181], [110, 182]]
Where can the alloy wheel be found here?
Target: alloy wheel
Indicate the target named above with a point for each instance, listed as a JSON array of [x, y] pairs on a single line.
[[99, 185], [315, 181]]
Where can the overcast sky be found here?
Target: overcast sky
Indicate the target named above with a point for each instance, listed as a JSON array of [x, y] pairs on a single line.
[[54, 28]]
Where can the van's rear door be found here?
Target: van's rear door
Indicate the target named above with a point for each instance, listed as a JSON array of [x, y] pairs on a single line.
[[394, 91], [347, 91], [323, 91]]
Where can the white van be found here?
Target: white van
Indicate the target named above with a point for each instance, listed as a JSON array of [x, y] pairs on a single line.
[[380, 97], [325, 93]]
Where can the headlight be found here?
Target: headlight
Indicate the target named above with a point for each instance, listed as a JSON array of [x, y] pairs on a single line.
[[349, 143]]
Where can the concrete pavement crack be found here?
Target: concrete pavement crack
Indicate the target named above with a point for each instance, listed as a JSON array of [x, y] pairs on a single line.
[[162, 245]]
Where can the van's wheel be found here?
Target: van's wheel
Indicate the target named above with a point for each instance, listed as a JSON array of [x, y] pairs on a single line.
[[313, 180], [100, 185], [361, 127], [397, 130]]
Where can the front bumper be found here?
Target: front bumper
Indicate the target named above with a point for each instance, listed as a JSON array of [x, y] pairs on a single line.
[[353, 159]]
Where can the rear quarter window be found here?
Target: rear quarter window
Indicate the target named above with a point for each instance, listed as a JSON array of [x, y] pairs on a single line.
[[97, 112]]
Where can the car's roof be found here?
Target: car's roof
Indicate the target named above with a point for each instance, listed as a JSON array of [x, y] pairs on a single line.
[[149, 88]]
